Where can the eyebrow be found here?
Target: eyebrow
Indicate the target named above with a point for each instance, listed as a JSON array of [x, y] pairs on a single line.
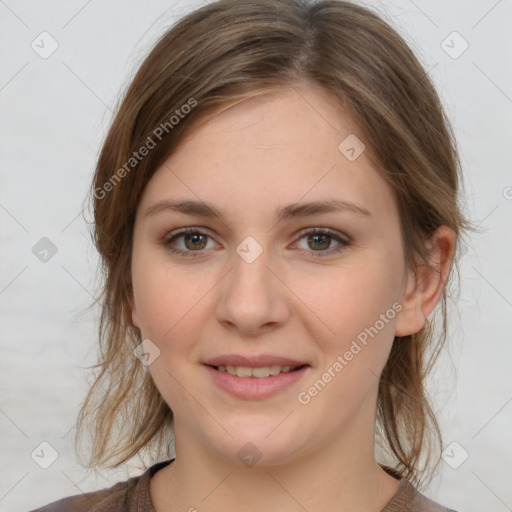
[[293, 210]]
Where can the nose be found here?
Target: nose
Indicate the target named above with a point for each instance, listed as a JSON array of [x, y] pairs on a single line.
[[253, 297]]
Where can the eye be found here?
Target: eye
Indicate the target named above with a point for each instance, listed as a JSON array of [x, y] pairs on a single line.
[[317, 239], [194, 240], [321, 238]]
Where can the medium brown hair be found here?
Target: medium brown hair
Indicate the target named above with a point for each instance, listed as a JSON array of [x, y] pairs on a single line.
[[213, 58]]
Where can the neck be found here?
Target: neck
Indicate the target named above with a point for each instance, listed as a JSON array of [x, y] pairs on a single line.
[[340, 474]]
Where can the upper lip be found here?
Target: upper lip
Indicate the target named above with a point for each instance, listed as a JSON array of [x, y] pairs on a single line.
[[252, 361]]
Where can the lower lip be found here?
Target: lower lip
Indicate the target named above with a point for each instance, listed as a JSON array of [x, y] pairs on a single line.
[[253, 388]]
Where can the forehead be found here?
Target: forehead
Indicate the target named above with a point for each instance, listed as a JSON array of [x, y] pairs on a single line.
[[271, 150]]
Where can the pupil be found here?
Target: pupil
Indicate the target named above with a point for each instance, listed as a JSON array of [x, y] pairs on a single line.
[[195, 238], [315, 239]]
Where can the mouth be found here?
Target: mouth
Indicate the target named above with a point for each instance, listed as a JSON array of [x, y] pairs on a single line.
[[257, 377], [258, 372]]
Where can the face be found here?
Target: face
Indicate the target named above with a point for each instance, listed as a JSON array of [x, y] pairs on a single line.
[[254, 292]]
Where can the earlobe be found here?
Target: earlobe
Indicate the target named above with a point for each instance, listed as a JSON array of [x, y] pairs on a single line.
[[411, 318], [424, 288]]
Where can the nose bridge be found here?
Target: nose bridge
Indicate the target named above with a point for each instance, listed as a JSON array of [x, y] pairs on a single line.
[[251, 260], [250, 250], [251, 295]]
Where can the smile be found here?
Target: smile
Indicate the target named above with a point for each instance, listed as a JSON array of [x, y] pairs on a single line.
[[259, 371], [255, 382]]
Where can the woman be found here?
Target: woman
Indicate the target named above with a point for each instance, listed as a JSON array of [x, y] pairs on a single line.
[[276, 212]]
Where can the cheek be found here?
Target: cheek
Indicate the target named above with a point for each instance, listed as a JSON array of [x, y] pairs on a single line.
[[152, 293], [173, 305], [354, 336], [353, 327], [165, 302], [346, 300]]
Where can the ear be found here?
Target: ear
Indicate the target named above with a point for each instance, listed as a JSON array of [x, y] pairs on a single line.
[[423, 289]]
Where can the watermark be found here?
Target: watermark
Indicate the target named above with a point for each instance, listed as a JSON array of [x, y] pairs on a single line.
[[137, 156], [304, 397], [44, 45], [249, 249], [249, 455], [507, 193], [44, 455], [454, 45], [44, 250], [146, 352], [455, 455], [351, 147]]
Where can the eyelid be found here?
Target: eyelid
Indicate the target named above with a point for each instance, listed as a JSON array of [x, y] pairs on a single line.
[[207, 231], [188, 229], [343, 239], [329, 231]]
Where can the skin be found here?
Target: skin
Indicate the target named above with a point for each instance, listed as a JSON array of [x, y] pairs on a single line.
[[248, 161]]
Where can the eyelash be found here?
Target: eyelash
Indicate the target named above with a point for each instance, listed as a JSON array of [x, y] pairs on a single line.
[[344, 241]]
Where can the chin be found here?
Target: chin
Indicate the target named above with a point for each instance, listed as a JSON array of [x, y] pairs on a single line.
[[268, 444]]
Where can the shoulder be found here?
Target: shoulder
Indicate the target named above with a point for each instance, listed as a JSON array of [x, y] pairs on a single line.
[[132, 494], [409, 499], [90, 501], [112, 499]]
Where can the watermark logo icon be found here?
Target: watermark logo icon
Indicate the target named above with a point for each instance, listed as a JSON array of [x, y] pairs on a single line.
[[44, 250], [454, 45], [44, 45], [146, 352], [249, 455], [44, 455], [455, 455], [351, 147], [249, 250]]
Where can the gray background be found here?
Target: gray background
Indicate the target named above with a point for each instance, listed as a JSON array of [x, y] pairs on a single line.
[[54, 113]]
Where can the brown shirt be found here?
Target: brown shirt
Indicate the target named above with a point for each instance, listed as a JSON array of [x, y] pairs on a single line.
[[132, 495]]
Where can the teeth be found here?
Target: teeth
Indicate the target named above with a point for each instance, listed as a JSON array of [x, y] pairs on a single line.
[[258, 372], [243, 371], [275, 369], [264, 371]]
